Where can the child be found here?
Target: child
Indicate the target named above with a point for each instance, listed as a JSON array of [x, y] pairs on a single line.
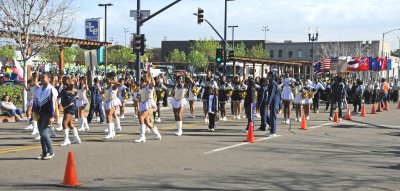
[[212, 108]]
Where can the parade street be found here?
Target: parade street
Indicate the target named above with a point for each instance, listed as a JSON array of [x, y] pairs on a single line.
[[362, 154]]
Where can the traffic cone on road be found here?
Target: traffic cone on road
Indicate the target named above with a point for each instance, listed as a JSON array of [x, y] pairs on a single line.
[[348, 116], [336, 117], [373, 111], [250, 134], [363, 114], [379, 107], [70, 179], [303, 122], [386, 106]]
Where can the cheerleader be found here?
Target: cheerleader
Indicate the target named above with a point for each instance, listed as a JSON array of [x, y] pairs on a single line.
[[67, 101], [308, 98], [160, 92], [121, 96], [193, 92], [207, 84], [31, 87], [287, 96], [59, 87], [135, 97], [147, 105], [224, 87], [237, 96], [177, 102], [298, 99], [81, 103], [111, 104]]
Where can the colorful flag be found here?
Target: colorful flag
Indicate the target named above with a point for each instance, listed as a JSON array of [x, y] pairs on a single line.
[[375, 64], [370, 63], [353, 63], [384, 63], [342, 65], [363, 66], [327, 64], [389, 64]]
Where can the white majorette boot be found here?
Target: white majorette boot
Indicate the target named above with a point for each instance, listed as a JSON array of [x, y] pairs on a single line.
[[109, 127], [30, 125], [60, 128], [142, 132], [35, 128], [118, 124], [178, 128], [113, 130], [66, 138], [76, 135], [81, 125], [157, 135], [85, 124]]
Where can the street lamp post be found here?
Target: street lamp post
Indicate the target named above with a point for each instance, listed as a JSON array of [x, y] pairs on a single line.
[[225, 24], [383, 42], [312, 37], [126, 30], [265, 29], [365, 45], [233, 35], [105, 31]]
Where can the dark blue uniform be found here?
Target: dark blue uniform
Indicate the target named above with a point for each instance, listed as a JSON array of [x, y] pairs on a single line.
[[96, 104], [262, 101], [337, 94], [274, 99]]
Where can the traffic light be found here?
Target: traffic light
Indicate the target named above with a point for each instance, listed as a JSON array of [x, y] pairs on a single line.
[[200, 16], [218, 56], [231, 55], [142, 44], [137, 42]]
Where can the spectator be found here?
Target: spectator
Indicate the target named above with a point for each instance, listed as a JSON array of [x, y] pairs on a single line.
[[9, 109]]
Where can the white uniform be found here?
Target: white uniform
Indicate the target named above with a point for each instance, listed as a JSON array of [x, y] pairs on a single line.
[[31, 95], [287, 94], [179, 98], [298, 99], [111, 98], [120, 90], [192, 97], [146, 98], [82, 99], [308, 100]]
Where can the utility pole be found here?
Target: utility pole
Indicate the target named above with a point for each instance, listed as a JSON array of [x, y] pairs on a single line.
[[105, 31], [126, 30], [225, 26]]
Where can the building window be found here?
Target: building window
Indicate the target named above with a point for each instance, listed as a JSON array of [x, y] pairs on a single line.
[[271, 53], [311, 53], [280, 53], [300, 53], [290, 54]]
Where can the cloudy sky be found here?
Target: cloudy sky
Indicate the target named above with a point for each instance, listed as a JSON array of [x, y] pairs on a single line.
[[338, 20]]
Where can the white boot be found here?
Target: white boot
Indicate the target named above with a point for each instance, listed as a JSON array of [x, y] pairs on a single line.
[[81, 125], [117, 124], [142, 134], [35, 128], [66, 138], [156, 133], [109, 126], [30, 126], [85, 124], [76, 135], [179, 128], [60, 128], [113, 130]]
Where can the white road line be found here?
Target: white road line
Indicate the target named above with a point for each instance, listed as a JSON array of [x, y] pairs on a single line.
[[238, 145], [325, 124]]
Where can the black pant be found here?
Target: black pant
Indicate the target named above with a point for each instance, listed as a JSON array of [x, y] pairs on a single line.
[[211, 118], [336, 103], [328, 102], [316, 101], [357, 102]]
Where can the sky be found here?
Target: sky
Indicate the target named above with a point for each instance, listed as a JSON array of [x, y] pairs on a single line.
[[337, 20]]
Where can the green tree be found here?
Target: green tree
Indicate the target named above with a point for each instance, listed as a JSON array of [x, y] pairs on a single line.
[[197, 59], [176, 56], [52, 54], [257, 51], [240, 49], [148, 55], [206, 47], [7, 51], [121, 56]]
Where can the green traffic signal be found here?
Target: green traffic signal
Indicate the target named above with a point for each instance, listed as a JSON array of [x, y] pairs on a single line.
[[219, 59]]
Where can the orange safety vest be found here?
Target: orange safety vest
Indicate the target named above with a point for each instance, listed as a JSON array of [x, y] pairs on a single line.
[[385, 87]]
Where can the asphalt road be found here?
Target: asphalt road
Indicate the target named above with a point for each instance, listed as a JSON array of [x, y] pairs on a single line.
[[362, 154]]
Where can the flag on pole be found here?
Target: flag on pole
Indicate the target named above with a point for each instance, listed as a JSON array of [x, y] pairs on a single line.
[[363, 66], [375, 64], [353, 63], [327, 64], [389, 64], [384, 63]]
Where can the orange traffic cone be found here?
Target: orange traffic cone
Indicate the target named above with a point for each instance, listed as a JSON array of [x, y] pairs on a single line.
[[250, 134], [336, 117], [379, 107], [373, 111], [386, 106], [398, 106], [348, 116], [303, 122], [70, 179], [363, 114]]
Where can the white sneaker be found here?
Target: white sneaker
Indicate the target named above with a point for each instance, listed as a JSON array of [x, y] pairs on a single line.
[[308, 117], [212, 130], [258, 115], [158, 120], [29, 127], [235, 117], [224, 118], [193, 116], [106, 130], [109, 136], [340, 119], [66, 143], [97, 119], [59, 128], [271, 135], [37, 138], [76, 119], [300, 119], [238, 117], [122, 117], [53, 134], [287, 121], [297, 119], [331, 118], [140, 140], [35, 131]]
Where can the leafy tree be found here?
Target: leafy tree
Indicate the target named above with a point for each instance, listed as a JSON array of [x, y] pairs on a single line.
[[7, 51], [198, 59], [52, 54], [176, 56], [257, 51], [206, 47], [240, 49], [121, 56]]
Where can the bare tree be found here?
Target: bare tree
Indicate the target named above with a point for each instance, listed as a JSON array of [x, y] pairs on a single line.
[[35, 24]]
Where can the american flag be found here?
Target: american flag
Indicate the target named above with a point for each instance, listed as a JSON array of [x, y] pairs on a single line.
[[326, 64]]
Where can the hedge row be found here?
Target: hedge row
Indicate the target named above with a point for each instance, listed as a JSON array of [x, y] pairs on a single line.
[[15, 93]]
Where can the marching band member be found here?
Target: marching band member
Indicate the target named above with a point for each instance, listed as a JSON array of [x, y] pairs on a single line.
[[207, 84], [298, 99], [274, 98], [81, 103], [147, 105], [111, 104], [287, 96], [308, 98], [160, 92], [225, 91], [262, 97], [67, 101], [122, 95], [317, 87], [237, 96], [193, 92], [178, 102]]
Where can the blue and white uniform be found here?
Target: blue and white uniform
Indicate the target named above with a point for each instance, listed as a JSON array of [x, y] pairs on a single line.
[[82, 98]]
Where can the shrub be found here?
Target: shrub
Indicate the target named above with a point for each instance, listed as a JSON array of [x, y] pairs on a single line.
[[15, 93]]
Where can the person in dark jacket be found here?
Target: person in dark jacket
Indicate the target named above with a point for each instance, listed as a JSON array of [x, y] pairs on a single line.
[[212, 107], [337, 93], [274, 98], [250, 102], [262, 97], [96, 103]]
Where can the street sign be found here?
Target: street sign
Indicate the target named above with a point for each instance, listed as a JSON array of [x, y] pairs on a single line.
[[144, 13], [94, 29]]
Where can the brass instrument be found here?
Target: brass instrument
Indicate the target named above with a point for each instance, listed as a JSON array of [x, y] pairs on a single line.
[[195, 91], [304, 94], [311, 94]]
